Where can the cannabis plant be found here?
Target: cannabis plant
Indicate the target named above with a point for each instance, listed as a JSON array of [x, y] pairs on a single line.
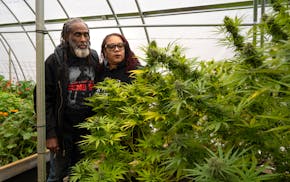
[[186, 120]]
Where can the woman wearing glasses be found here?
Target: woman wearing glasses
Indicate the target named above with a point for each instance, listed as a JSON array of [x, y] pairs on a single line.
[[118, 59]]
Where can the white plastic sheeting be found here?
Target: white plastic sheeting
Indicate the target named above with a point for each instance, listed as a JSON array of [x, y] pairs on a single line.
[[189, 23]]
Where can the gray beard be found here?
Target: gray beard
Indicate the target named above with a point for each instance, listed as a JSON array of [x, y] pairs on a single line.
[[81, 53]]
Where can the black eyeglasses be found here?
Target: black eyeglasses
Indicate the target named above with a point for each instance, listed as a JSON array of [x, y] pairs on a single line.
[[112, 47]]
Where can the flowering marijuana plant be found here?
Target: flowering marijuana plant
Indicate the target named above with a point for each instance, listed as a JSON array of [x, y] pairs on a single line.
[[184, 120]]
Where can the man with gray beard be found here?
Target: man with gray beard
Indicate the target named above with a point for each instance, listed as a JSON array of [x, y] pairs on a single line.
[[70, 75]]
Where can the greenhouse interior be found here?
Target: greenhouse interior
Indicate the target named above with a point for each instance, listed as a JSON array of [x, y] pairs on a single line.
[[201, 92]]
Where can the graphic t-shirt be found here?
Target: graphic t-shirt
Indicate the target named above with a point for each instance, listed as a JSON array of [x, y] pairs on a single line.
[[80, 86], [81, 83]]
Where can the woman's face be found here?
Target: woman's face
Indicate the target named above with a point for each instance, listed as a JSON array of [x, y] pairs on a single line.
[[114, 51]]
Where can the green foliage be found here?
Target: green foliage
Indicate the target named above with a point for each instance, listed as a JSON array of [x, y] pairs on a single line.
[[22, 89], [230, 166], [278, 24], [232, 27], [17, 131], [184, 120], [248, 53]]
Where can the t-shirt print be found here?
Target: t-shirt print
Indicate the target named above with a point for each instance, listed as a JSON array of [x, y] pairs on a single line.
[[81, 83]]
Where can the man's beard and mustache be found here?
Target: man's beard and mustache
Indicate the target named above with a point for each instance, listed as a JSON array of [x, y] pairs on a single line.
[[80, 52]]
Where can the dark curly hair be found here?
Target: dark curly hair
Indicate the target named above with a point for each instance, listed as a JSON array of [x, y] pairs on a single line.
[[131, 60]]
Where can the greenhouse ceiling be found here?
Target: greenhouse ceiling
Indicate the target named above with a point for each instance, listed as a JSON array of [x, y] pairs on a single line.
[[193, 24]]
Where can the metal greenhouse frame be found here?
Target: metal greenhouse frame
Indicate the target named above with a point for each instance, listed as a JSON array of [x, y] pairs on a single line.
[[41, 31]]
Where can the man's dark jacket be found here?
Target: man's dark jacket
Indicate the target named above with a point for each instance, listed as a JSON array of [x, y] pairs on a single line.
[[56, 81]]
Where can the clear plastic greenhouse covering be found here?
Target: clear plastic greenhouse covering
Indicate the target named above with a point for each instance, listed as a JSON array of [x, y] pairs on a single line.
[[193, 24]]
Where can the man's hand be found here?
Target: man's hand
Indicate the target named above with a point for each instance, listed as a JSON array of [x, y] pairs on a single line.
[[52, 144]]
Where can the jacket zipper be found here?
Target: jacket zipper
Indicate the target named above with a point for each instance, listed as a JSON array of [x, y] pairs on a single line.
[[59, 108], [61, 101]]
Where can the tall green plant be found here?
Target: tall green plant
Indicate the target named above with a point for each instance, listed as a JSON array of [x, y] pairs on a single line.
[[184, 120], [18, 133], [17, 122], [264, 106]]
